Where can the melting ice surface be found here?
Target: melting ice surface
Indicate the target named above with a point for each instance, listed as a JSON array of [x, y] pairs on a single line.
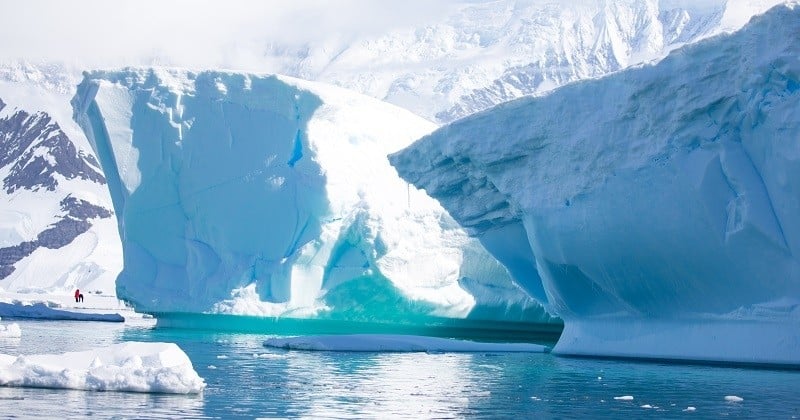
[[266, 195], [657, 210]]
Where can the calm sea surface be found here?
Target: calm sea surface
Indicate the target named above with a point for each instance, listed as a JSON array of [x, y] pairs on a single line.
[[246, 380]]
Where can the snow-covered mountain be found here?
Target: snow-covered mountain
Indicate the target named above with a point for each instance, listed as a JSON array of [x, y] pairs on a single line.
[[475, 55], [656, 210], [57, 230], [485, 53]]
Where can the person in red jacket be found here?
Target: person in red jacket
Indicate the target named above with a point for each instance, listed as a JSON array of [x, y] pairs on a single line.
[[78, 295]]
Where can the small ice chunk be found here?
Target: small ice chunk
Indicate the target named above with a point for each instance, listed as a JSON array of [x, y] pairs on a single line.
[[690, 408], [646, 406], [268, 356], [10, 331], [128, 367], [733, 399], [624, 398], [222, 356], [212, 367]]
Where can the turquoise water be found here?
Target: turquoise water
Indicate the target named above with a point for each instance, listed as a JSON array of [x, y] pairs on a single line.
[[246, 380]]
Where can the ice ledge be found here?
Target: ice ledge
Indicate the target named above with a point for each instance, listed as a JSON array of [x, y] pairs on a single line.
[[720, 341]]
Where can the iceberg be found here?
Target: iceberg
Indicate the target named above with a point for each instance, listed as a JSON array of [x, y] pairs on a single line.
[[131, 367], [271, 196], [654, 210]]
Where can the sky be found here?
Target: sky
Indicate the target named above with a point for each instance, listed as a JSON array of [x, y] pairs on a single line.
[[229, 33]]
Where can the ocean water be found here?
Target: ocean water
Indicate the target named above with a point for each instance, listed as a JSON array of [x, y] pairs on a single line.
[[246, 380]]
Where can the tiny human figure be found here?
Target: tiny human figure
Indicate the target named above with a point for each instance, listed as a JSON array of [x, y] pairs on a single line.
[[78, 295]]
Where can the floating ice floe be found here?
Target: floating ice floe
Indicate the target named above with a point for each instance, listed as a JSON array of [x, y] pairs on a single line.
[[130, 366], [396, 343], [733, 398], [624, 398], [42, 311]]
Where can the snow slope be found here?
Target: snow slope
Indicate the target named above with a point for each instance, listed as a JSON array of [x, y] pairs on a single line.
[[265, 195], [57, 231], [654, 210]]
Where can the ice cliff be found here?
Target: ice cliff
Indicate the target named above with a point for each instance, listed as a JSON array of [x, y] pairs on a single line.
[[266, 195], [656, 210]]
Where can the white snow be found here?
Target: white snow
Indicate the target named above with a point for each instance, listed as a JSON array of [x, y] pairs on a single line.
[[655, 210], [733, 399], [130, 366], [395, 343]]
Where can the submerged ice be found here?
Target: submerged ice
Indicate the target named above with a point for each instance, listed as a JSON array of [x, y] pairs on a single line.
[[654, 210], [267, 195]]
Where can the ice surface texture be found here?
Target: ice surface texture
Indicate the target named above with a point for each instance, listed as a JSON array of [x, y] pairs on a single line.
[[266, 195], [655, 210]]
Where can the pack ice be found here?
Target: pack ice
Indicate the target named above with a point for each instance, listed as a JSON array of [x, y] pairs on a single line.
[[656, 210], [267, 195]]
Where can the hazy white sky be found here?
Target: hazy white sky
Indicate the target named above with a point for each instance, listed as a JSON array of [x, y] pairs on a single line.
[[230, 33]]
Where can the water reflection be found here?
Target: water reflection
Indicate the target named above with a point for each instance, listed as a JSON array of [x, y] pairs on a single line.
[[50, 403], [330, 385]]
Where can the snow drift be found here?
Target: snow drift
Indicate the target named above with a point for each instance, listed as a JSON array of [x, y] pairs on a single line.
[[266, 195], [654, 210]]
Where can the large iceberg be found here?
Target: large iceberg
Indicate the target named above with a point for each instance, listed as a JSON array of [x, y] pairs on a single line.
[[267, 195], [656, 210]]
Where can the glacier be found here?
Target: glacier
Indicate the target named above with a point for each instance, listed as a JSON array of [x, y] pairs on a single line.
[[654, 210], [266, 195]]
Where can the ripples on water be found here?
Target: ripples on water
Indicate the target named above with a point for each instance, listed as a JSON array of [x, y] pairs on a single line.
[[246, 380]]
